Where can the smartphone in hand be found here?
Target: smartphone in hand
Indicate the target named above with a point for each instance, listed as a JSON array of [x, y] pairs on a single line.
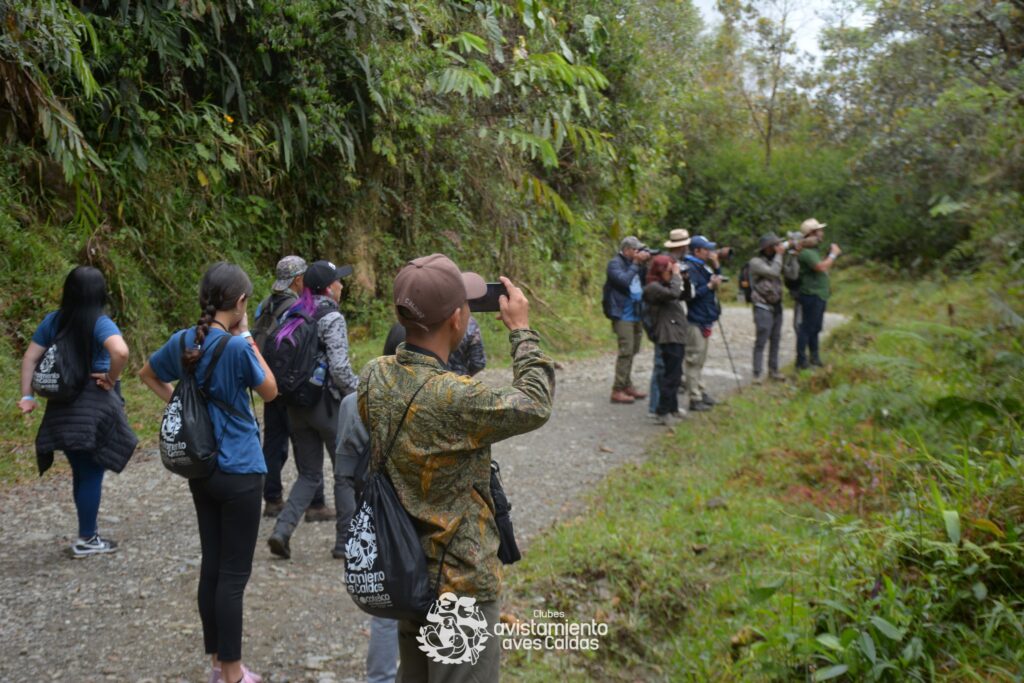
[[488, 303]]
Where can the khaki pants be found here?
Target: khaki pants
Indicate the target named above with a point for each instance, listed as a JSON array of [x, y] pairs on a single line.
[[416, 666], [696, 354], [629, 336]]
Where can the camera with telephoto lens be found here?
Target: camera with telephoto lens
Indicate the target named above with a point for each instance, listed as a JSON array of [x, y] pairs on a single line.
[[792, 240]]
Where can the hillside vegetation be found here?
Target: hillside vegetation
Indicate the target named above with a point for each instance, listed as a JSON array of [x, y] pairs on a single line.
[[864, 524], [151, 137]]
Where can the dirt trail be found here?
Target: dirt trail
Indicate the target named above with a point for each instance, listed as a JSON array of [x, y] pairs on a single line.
[[132, 616]]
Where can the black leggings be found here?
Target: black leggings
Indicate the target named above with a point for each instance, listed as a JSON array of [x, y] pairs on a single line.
[[672, 357], [228, 512]]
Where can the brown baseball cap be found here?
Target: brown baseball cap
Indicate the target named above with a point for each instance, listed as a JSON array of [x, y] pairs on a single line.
[[429, 289]]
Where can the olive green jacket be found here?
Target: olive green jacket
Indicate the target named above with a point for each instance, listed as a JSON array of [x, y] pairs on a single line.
[[441, 461]]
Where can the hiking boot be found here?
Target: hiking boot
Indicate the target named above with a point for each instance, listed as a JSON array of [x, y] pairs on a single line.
[[278, 543], [320, 513], [272, 508], [802, 364], [635, 393], [707, 400], [84, 547], [621, 397], [778, 376], [816, 362], [699, 407], [679, 414], [758, 379]]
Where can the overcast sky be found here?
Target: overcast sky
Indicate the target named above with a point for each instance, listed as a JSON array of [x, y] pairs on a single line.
[[806, 21]]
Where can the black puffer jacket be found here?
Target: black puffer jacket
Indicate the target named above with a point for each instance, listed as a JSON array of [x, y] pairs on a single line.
[[95, 422]]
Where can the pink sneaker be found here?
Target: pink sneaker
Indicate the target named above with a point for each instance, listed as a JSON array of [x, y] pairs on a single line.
[[247, 676]]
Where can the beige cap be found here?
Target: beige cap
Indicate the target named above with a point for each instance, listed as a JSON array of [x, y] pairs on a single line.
[[810, 225], [677, 238], [430, 288]]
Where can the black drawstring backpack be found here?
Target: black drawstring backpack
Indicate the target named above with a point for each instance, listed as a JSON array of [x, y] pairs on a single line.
[[386, 568], [57, 376], [188, 445]]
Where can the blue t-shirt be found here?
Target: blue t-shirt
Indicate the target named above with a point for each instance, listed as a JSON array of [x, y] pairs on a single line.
[[104, 329], [236, 371], [631, 312]]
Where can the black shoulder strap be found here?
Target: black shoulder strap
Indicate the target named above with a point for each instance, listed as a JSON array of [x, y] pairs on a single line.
[[325, 309], [218, 351], [382, 460]]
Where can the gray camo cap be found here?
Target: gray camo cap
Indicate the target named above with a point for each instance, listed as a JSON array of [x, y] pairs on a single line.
[[288, 268], [631, 242]]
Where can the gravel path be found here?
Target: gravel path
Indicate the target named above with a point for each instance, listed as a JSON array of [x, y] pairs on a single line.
[[132, 616]]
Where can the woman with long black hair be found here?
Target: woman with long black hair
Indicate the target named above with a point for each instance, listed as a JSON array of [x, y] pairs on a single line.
[[228, 501], [76, 426]]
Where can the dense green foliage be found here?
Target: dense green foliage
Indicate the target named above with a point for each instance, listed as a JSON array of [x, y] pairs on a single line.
[[907, 138], [152, 137], [869, 526]]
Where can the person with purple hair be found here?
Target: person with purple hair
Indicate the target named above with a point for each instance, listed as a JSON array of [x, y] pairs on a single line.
[[315, 427]]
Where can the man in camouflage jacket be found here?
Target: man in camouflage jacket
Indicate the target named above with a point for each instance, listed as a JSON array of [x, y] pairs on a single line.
[[440, 464]]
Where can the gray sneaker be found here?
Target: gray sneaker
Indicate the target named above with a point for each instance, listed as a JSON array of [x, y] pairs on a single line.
[[668, 420], [84, 547]]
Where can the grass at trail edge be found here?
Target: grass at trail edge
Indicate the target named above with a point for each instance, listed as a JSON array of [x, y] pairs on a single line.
[[862, 523]]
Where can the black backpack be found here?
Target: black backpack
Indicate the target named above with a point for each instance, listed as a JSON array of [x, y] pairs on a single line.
[[294, 361], [188, 445], [606, 300], [385, 566], [270, 319], [745, 286], [58, 377], [792, 283], [647, 320]]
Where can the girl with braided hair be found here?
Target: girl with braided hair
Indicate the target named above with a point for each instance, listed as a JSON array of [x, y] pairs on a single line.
[[228, 501]]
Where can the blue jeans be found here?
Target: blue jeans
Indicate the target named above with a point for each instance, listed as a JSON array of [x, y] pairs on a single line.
[[382, 657], [656, 375], [86, 487]]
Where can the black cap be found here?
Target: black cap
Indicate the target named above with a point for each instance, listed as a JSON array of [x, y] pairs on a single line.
[[321, 274]]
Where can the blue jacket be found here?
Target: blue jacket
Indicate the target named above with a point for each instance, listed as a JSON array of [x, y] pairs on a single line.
[[621, 272], [703, 309]]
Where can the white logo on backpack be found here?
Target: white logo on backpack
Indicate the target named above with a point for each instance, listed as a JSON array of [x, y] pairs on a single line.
[[361, 549], [171, 425], [49, 360]]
